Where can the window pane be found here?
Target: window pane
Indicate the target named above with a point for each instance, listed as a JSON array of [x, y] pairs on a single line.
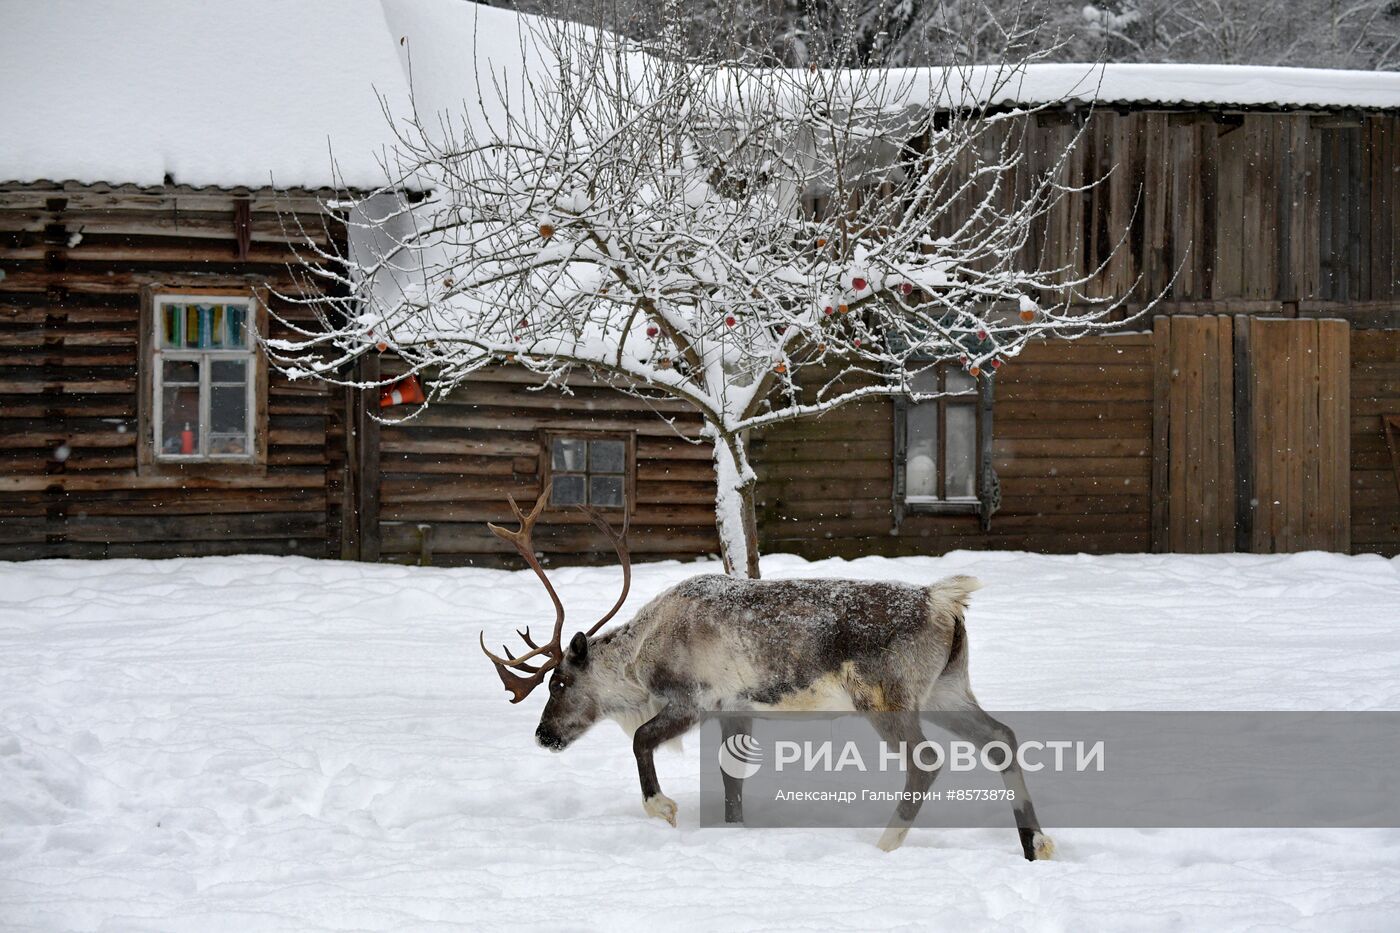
[[235, 332], [172, 325], [921, 458], [960, 381], [962, 451], [228, 410], [607, 457], [191, 326], [229, 371], [180, 420], [217, 327], [605, 491], [174, 371], [926, 381], [568, 490], [569, 454]]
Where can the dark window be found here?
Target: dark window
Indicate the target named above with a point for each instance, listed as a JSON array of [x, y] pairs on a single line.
[[589, 471]]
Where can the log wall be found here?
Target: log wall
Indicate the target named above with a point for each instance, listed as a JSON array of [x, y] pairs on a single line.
[[1072, 444], [447, 471], [75, 260]]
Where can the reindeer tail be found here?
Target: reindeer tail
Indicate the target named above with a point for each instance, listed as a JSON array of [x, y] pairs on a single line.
[[954, 591]]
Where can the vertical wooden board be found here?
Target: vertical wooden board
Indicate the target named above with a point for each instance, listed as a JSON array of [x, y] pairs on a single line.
[[1358, 244], [1277, 431], [1305, 229], [1243, 420], [1208, 492], [1209, 155], [1260, 248], [1093, 203], [1286, 192], [1161, 431], [1326, 200], [1294, 440], [1261, 364], [1308, 520], [1372, 144], [1157, 262], [1197, 440], [1334, 447], [1134, 202], [1178, 442], [1384, 273], [1225, 437], [1392, 170], [1231, 220], [1181, 137]]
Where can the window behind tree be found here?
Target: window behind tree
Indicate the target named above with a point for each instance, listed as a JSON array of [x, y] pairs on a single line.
[[589, 470], [941, 439]]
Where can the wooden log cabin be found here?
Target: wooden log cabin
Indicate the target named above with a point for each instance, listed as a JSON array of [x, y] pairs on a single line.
[[155, 164], [1258, 409]]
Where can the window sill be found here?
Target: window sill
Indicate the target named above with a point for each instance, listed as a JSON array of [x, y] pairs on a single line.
[[942, 506]]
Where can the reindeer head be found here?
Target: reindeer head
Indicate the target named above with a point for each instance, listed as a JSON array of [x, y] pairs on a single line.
[[573, 705]]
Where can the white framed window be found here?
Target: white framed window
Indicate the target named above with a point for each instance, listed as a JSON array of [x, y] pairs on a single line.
[[204, 376]]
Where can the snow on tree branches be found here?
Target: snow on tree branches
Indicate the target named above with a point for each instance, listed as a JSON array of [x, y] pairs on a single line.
[[762, 244]]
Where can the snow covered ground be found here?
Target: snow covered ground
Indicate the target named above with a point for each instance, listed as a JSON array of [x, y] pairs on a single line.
[[262, 743]]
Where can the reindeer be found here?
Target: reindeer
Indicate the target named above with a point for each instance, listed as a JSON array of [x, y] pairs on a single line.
[[715, 642]]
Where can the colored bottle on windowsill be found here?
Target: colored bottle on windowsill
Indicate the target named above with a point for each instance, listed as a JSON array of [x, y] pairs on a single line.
[[187, 440]]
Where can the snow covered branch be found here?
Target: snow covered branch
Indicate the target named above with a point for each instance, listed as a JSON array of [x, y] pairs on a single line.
[[764, 244]]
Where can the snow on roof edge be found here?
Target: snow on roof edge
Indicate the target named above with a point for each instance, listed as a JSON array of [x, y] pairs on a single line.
[[1165, 85]]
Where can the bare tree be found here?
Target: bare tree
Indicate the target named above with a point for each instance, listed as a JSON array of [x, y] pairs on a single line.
[[1362, 34], [763, 244]]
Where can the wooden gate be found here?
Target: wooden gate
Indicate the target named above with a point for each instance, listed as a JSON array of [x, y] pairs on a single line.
[[1294, 415], [1193, 488], [1251, 435]]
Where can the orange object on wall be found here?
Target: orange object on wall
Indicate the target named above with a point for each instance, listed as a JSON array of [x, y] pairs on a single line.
[[406, 391]]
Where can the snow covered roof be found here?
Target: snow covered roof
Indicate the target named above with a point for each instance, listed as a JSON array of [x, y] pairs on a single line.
[[1228, 86], [245, 93], [264, 92]]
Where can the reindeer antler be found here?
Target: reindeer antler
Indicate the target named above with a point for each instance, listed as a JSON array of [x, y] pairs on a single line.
[[552, 651]]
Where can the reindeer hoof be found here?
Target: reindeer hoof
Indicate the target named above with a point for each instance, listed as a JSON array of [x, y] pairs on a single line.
[[1043, 847], [893, 838], [662, 807]]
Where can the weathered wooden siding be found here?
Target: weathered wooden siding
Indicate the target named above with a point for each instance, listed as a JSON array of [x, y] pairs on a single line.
[[1375, 391], [447, 471], [69, 313], [1280, 213], [1072, 444]]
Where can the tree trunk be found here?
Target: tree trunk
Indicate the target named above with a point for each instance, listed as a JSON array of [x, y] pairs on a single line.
[[735, 517]]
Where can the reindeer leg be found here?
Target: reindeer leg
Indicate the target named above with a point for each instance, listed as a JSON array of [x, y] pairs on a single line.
[[896, 726], [977, 725], [673, 720], [734, 786]]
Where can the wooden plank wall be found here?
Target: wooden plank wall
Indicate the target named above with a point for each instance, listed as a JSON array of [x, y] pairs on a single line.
[[1072, 446], [449, 469], [75, 259], [1375, 391], [1291, 214], [1297, 423], [1194, 435]]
